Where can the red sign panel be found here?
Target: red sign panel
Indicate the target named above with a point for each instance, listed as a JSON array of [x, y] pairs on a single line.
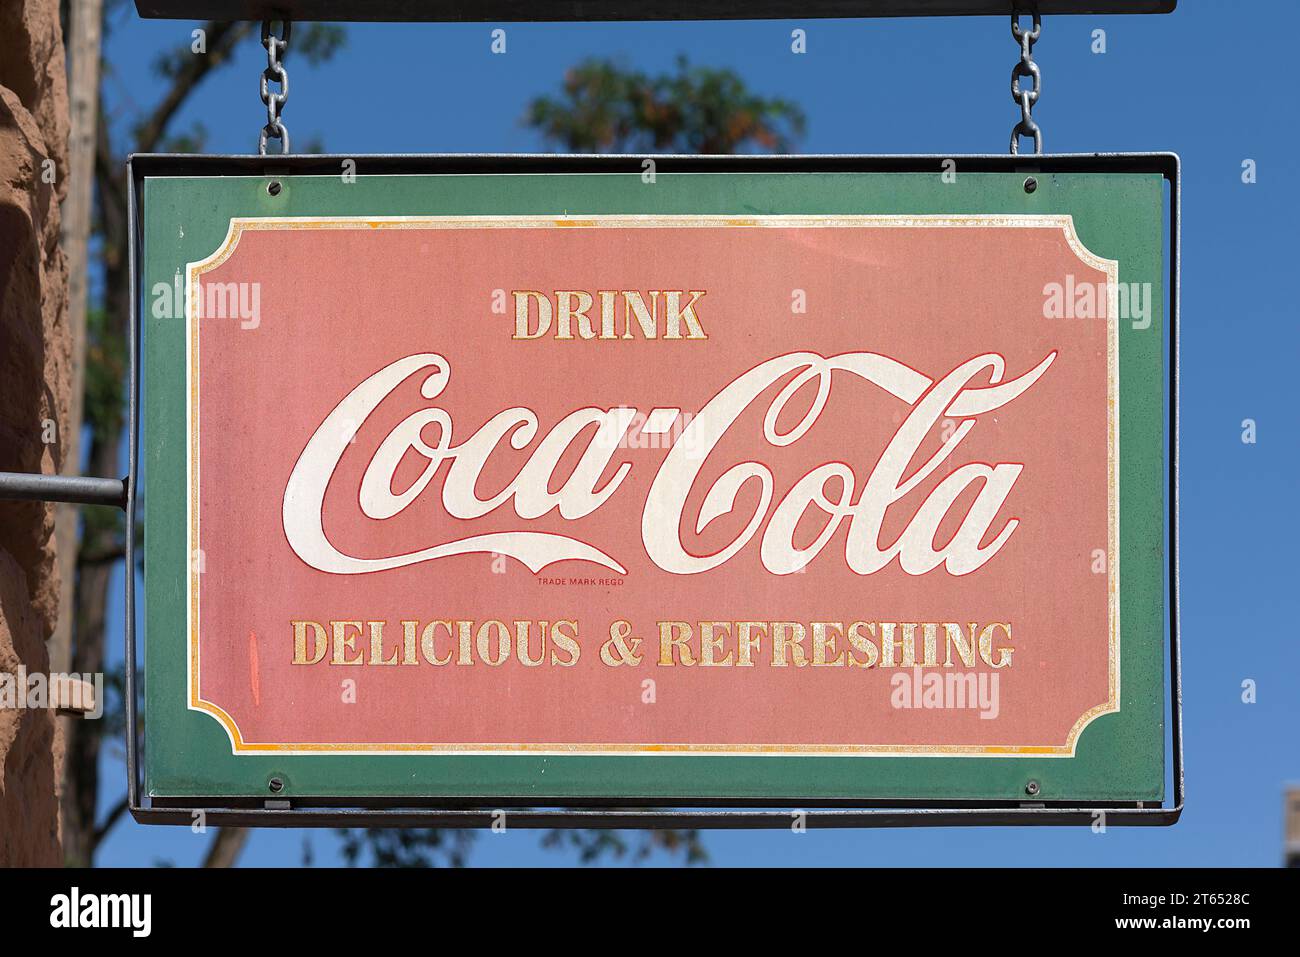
[[787, 484]]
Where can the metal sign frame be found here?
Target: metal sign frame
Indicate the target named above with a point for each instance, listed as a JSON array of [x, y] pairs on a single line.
[[635, 812]]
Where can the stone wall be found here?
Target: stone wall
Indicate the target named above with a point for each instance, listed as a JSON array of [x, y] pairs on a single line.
[[34, 370]]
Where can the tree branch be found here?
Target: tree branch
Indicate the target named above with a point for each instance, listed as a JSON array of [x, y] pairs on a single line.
[[105, 556], [106, 825], [221, 40], [225, 847]]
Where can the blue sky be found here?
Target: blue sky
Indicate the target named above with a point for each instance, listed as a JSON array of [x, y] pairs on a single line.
[[1207, 82]]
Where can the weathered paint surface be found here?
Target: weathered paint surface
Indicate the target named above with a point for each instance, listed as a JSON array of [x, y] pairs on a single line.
[[452, 495]]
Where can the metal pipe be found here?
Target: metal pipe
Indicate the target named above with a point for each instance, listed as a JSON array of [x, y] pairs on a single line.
[[74, 489]]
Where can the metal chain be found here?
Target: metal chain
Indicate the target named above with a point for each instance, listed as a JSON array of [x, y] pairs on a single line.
[[276, 47], [1026, 99]]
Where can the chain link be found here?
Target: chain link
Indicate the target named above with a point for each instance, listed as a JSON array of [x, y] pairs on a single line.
[[276, 47], [1026, 98]]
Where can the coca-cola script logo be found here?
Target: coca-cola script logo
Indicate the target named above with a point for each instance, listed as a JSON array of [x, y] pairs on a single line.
[[862, 504], [652, 484]]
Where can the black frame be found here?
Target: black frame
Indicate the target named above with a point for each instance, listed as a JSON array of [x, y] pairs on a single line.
[[632, 812], [486, 11]]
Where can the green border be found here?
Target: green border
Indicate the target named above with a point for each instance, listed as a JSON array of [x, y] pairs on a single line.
[[1120, 756]]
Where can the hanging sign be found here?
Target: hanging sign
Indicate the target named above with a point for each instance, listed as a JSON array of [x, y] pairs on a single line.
[[748, 485]]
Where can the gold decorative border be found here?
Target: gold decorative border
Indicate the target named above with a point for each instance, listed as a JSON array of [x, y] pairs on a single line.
[[238, 226]]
